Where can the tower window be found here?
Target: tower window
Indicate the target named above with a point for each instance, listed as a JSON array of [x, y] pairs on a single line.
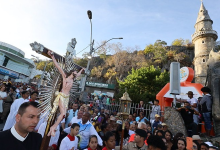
[[203, 60], [203, 42]]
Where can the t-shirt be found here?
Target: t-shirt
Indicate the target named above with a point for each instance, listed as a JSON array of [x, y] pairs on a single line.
[[187, 115], [192, 101], [11, 140]]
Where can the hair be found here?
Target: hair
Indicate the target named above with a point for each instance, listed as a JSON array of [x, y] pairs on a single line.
[[2, 86], [75, 125], [183, 141], [34, 92], [204, 144], [117, 136], [104, 126], [107, 136], [196, 142], [127, 122], [24, 92], [13, 88], [159, 126], [171, 135], [90, 138], [67, 75], [156, 141], [206, 89], [24, 106], [160, 131], [175, 139], [140, 124]]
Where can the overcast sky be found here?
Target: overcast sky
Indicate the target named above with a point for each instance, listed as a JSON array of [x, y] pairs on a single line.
[[140, 22]]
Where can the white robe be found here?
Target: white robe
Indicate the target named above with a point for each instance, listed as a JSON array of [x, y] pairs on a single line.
[[2, 95], [66, 144], [13, 112], [53, 140]]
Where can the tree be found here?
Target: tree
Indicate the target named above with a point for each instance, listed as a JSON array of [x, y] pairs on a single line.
[[181, 42], [178, 42], [143, 83], [157, 52]]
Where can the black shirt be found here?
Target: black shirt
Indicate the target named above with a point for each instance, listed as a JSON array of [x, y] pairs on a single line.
[[187, 115], [9, 142]]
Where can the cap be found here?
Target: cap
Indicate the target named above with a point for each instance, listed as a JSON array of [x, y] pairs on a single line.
[[157, 115], [119, 122], [141, 133], [196, 137]]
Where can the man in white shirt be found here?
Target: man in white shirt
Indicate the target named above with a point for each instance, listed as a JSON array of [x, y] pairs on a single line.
[[86, 130], [14, 109], [193, 102], [71, 113], [76, 119]]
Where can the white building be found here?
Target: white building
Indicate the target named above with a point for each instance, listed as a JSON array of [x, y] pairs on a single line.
[[13, 64]]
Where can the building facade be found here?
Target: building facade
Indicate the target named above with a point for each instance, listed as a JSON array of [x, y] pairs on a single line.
[[13, 64], [204, 39]]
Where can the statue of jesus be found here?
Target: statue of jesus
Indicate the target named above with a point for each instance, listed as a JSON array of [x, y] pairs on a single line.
[[62, 98]]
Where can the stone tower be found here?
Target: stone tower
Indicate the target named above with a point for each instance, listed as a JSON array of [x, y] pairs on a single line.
[[204, 39]]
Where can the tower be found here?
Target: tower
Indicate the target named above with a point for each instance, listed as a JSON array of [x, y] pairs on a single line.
[[204, 40]]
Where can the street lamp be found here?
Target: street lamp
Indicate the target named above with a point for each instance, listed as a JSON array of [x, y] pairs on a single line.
[[125, 103]]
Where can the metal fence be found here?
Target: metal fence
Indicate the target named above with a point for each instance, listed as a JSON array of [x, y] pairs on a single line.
[[115, 106]]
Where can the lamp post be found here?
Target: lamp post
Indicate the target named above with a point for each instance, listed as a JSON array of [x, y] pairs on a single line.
[[83, 80], [125, 103]]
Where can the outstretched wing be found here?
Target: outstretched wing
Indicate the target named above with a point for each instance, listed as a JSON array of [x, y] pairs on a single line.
[[71, 66], [47, 93]]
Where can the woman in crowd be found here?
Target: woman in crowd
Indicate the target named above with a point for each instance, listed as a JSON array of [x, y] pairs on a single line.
[[118, 135], [195, 145], [168, 137], [109, 141], [181, 144], [93, 143], [176, 137], [160, 133]]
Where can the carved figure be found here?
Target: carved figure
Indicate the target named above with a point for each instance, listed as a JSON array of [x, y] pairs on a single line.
[[62, 99]]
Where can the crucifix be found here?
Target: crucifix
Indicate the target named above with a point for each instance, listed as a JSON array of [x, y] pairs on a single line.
[[63, 75]]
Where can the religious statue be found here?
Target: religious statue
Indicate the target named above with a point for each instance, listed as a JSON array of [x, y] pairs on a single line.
[[62, 99], [60, 89]]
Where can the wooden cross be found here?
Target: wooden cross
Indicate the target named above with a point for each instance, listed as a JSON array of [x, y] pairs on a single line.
[[40, 49]]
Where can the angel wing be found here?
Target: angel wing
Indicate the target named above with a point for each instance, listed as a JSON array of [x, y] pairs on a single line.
[[47, 93]]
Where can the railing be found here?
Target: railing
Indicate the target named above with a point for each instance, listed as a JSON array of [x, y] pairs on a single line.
[[203, 32], [115, 106]]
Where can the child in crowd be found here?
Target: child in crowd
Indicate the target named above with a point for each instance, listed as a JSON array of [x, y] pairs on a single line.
[[93, 143], [109, 141], [70, 142]]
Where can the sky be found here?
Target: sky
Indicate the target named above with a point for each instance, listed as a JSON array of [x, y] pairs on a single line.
[[54, 23]]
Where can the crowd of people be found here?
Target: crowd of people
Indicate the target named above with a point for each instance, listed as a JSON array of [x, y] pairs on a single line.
[[93, 126]]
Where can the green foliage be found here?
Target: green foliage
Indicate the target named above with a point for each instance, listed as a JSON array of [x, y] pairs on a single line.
[[180, 42], [41, 64], [81, 61], [158, 50], [144, 83]]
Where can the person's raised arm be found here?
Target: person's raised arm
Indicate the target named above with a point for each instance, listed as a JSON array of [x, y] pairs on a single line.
[[56, 64]]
